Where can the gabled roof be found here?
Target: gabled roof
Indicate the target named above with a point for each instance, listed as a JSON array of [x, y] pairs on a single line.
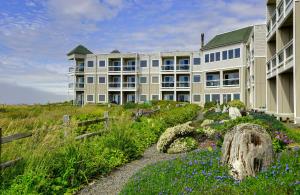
[[230, 38], [80, 49]]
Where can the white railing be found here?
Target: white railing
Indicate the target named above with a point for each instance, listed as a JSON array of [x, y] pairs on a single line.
[[183, 84], [114, 68], [231, 82], [183, 67], [212, 83], [78, 85], [167, 84], [167, 67], [77, 69], [285, 55], [280, 10], [129, 84], [129, 68], [114, 84]]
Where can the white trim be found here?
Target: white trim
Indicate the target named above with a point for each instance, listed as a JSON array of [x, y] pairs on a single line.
[[144, 95], [143, 83], [104, 98], [102, 77], [105, 64], [90, 77], [153, 95], [152, 79], [86, 98], [196, 75], [193, 97]]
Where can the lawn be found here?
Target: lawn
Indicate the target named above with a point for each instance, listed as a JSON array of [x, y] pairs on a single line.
[[53, 162]]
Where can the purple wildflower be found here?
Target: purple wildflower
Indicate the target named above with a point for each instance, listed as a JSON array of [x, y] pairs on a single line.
[[287, 167]]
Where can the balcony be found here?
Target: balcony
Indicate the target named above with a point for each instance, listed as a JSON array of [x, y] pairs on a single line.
[[231, 82], [76, 86], [129, 85], [129, 68], [167, 67], [183, 84], [183, 67], [167, 84], [213, 83], [77, 69], [114, 68], [114, 84], [271, 66], [285, 56]]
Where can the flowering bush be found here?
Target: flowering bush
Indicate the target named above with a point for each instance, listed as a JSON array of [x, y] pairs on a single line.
[[280, 141]]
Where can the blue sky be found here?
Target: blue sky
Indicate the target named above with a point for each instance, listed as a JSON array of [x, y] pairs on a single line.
[[35, 35]]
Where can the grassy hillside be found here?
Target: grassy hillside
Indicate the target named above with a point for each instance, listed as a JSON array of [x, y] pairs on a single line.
[[53, 162]]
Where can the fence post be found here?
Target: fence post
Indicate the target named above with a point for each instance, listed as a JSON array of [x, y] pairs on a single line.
[[106, 120], [66, 122]]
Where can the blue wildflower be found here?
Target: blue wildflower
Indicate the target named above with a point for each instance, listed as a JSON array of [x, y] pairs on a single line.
[[187, 189], [287, 167]]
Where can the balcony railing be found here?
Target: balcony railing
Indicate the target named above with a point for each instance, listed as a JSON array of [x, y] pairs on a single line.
[[78, 85], [285, 55], [129, 68], [167, 84], [271, 64], [167, 67], [114, 84], [77, 69], [212, 83], [183, 67], [114, 68], [183, 84], [280, 10], [129, 84], [231, 82]]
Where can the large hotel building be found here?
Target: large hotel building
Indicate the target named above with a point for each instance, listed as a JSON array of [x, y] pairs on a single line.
[[258, 65]]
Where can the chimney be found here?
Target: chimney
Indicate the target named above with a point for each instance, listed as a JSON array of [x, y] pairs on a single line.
[[202, 40]]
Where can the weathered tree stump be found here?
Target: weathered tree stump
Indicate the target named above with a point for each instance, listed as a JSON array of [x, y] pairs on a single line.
[[247, 149]]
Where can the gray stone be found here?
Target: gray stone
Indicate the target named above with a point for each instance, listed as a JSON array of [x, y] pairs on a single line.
[[247, 149], [225, 109], [234, 113]]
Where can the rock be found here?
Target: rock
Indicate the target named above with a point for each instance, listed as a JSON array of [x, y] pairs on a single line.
[[206, 122], [181, 145], [234, 113], [171, 134], [247, 149], [223, 121], [218, 109], [225, 109]]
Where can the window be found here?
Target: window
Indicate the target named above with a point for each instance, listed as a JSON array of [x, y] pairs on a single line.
[[131, 63], [218, 56], [90, 79], [212, 57], [155, 97], [215, 98], [143, 63], [237, 53], [206, 58], [207, 98], [236, 96], [197, 79], [155, 79], [224, 54], [196, 98], [101, 63], [101, 98], [90, 98], [184, 61], [116, 63], [155, 63], [143, 80], [168, 62], [90, 64], [230, 54], [101, 80], [143, 98], [226, 98], [197, 61]]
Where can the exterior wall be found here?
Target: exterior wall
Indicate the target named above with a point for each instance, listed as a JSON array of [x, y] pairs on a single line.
[[297, 60], [260, 83]]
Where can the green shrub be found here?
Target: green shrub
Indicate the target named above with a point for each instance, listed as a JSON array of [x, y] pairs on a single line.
[[237, 103], [209, 105], [129, 105], [216, 116]]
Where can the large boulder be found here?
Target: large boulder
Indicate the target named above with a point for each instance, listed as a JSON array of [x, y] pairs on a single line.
[[171, 134], [247, 149], [234, 113], [181, 145]]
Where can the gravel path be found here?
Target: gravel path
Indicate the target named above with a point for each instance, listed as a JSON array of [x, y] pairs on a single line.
[[114, 182]]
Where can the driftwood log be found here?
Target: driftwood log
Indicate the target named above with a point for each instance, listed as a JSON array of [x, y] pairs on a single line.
[[247, 149]]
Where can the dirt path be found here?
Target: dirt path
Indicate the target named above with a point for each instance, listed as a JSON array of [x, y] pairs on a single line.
[[114, 182]]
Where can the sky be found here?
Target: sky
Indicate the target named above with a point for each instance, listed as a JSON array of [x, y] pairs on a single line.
[[35, 35]]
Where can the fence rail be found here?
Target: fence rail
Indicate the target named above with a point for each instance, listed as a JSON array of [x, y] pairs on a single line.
[[14, 137]]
